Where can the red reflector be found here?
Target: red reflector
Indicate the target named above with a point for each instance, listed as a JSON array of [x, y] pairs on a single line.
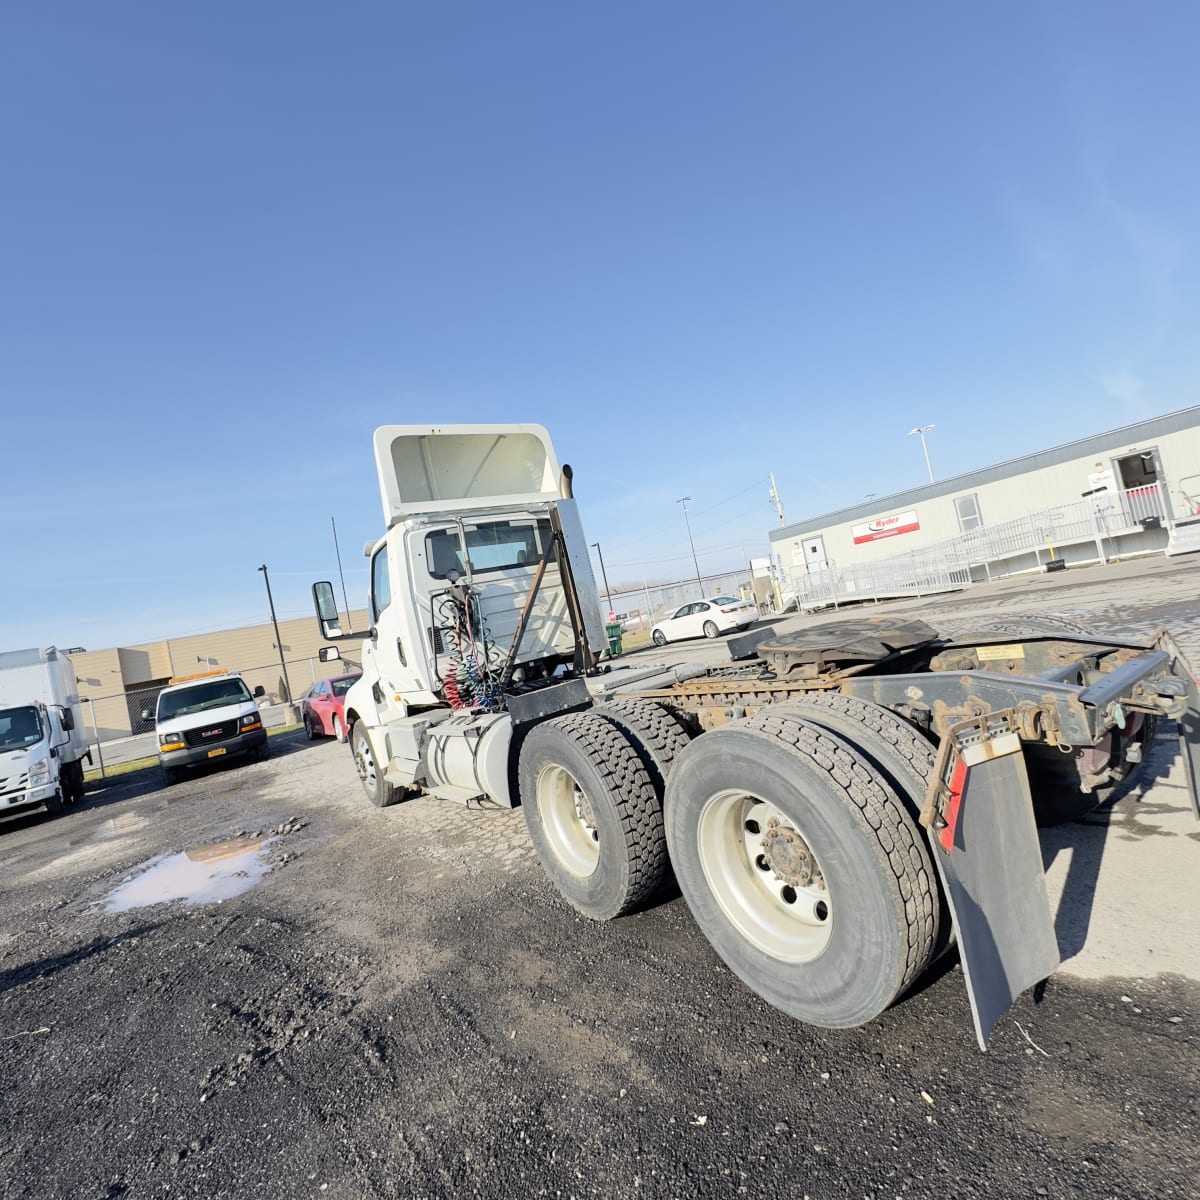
[[946, 835], [728, 610]]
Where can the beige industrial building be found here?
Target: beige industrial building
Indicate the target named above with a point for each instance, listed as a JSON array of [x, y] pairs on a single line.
[[117, 684]]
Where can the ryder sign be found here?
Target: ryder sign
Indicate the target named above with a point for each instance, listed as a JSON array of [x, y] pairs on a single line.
[[886, 527]]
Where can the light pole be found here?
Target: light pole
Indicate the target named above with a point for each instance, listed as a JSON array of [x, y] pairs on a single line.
[[695, 561], [287, 685], [604, 573], [922, 430]]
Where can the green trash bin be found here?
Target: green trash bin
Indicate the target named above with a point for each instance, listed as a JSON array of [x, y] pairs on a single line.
[[614, 638]]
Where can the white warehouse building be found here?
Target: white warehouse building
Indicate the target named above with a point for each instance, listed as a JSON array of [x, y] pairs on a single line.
[[1132, 490]]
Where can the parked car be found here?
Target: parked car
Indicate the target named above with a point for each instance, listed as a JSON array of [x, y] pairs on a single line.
[[323, 707], [705, 618]]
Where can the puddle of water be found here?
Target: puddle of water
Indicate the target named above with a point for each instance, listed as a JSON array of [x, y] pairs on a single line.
[[205, 875]]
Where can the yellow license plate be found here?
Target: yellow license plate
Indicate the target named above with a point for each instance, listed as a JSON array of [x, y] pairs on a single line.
[[217, 751]]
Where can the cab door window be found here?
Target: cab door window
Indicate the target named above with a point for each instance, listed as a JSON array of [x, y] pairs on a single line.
[[381, 584]]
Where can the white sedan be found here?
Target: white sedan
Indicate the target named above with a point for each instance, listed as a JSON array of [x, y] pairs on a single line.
[[705, 618]]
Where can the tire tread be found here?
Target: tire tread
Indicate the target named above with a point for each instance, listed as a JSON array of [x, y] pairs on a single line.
[[884, 814]]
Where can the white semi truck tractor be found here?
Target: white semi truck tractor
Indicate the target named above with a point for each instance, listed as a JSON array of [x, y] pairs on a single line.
[[43, 745], [839, 805]]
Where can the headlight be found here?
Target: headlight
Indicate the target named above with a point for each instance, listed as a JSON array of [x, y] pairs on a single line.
[[251, 721], [170, 741], [39, 773]]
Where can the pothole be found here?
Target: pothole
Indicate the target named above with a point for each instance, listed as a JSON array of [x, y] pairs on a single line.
[[205, 875]]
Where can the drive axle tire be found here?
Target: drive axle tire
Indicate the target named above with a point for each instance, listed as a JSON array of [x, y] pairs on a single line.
[[379, 792], [655, 730], [593, 814], [801, 867], [897, 751]]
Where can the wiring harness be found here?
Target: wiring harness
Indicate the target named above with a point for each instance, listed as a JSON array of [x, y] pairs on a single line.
[[472, 677]]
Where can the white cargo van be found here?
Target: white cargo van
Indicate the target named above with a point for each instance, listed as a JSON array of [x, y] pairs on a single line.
[[42, 739], [202, 718]]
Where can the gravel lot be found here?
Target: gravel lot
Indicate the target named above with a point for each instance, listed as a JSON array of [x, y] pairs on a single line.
[[401, 1005]]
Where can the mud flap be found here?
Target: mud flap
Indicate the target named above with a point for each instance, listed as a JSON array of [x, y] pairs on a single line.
[[1189, 720], [985, 844]]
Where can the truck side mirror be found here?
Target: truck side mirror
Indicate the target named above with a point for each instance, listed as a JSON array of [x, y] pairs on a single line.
[[67, 718], [329, 654], [259, 691], [326, 606], [147, 715]]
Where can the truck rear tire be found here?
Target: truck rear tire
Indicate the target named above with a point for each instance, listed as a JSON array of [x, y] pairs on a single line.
[[801, 867], [379, 792], [593, 814], [655, 730], [905, 759]]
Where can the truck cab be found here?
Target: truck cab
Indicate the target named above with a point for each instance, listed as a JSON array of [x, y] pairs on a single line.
[[42, 741], [481, 586]]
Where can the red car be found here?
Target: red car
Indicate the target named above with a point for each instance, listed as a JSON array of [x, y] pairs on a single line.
[[323, 708]]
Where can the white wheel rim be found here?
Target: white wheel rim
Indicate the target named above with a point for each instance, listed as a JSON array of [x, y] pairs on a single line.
[[567, 820], [781, 915], [365, 763]]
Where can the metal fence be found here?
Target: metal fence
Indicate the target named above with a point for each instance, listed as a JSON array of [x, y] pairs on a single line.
[[1023, 544]]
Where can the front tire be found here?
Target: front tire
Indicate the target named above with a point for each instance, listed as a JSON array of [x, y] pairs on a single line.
[[659, 638], [73, 782], [593, 814], [799, 865], [379, 792]]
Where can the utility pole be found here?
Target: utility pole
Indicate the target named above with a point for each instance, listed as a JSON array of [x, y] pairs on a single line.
[[604, 574], [922, 430], [695, 560], [287, 686], [774, 495], [337, 551]]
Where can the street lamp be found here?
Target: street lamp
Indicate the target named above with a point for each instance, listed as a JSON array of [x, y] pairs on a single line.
[[695, 561], [604, 573], [287, 683], [921, 431]]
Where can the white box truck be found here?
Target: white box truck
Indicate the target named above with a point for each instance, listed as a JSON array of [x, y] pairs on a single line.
[[42, 740]]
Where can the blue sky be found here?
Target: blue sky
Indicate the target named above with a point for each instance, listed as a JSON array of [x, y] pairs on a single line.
[[699, 242]]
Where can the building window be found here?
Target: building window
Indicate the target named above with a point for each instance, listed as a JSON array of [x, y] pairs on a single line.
[[968, 512]]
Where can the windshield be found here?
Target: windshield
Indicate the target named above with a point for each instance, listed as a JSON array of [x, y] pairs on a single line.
[[200, 697], [494, 546], [342, 686], [19, 727]]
